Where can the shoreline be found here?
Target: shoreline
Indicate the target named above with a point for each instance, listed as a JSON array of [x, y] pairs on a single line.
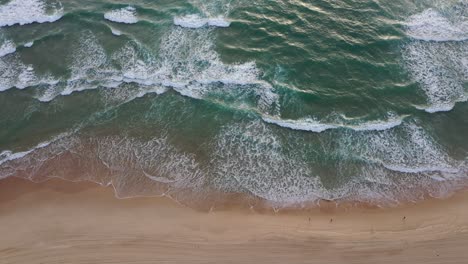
[[206, 195], [84, 223]]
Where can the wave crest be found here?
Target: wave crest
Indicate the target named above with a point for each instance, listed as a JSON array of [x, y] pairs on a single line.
[[431, 25], [313, 125], [436, 58], [195, 21], [126, 15], [26, 12], [6, 48]]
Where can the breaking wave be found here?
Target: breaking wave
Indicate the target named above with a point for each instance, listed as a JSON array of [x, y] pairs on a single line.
[[7, 47], [313, 125], [28, 11], [431, 25], [126, 15], [14, 73], [186, 63], [195, 21], [383, 167], [437, 60]]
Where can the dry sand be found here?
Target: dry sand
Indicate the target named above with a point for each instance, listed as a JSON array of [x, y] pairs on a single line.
[[63, 222]]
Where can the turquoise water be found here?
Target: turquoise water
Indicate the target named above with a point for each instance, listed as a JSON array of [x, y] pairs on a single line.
[[289, 101]]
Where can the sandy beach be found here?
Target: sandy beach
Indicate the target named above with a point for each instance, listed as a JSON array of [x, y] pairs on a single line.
[[64, 222]]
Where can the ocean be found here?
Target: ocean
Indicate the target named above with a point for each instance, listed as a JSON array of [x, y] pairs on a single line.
[[286, 101]]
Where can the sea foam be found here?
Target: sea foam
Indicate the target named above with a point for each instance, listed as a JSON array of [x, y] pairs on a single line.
[[29, 44], [108, 161], [126, 15], [440, 69], [313, 125], [406, 149], [285, 169], [26, 12], [436, 58], [186, 63], [8, 155], [251, 157], [431, 25], [116, 32], [7, 47], [15, 74], [195, 21]]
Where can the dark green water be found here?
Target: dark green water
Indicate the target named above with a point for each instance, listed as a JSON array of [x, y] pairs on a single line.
[[290, 101]]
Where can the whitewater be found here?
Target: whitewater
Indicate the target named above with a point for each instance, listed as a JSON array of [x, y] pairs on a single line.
[[270, 100]]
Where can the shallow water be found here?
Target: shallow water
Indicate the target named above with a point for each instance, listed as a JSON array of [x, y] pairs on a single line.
[[288, 101]]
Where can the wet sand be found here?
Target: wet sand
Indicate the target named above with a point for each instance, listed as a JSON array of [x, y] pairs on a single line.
[[64, 222]]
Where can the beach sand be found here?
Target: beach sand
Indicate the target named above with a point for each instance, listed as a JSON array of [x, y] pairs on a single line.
[[64, 222]]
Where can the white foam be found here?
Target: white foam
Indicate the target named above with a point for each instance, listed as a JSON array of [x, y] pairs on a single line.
[[218, 22], [377, 125], [15, 74], [125, 15], [195, 21], [28, 163], [116, 32], [285, 169], [312, 125], [446, 107], [189, 56], [186, 62], [149, 162], [250, 158], [438, 62], [431, 25], [6, 48], [26, 12], [421, 169], [90, 68], [306, 124], [47, 95], [29, 44], [407, 149], [441, 70], [156, 159], [7, 155]]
